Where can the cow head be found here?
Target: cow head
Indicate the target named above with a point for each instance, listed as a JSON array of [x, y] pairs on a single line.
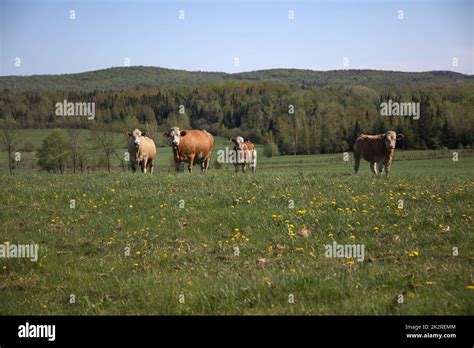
[[135, 137], [238, 143], [391, 138], [174, 136]]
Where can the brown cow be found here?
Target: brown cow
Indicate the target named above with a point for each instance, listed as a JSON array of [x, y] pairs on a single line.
[[377, 149], [192, 146], [245, 154], [142, 150]]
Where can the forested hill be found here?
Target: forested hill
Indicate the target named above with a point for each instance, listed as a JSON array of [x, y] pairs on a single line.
[[124, 78]]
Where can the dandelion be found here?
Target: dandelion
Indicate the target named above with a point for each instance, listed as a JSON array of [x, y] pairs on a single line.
[[130, 206], [301, 212], [413, 253]]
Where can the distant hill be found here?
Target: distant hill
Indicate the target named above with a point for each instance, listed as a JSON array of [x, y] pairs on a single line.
[[124, 78]]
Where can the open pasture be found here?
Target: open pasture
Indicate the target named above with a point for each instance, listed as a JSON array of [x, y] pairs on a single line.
[[227, 243]]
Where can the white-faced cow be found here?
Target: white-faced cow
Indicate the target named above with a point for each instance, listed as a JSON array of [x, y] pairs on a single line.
[[142, 151], [377, 149], [191, 146], [245, 154]]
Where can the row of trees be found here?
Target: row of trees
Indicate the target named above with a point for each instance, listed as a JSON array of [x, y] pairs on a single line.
[[72, 148], [288, 119]]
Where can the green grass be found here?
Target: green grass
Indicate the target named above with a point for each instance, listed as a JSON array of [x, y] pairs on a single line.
[[191, 250]]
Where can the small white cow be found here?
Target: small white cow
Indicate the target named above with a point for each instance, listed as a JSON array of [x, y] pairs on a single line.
[[142, 150]]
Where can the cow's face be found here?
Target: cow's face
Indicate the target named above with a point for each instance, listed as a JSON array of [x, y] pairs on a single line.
[[391, 138], [174, 136], [136, 137], [237, 143]]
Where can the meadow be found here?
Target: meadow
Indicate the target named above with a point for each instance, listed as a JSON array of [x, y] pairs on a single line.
[[227, 243]]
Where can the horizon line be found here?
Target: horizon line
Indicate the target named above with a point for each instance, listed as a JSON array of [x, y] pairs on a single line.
[[240, 72]]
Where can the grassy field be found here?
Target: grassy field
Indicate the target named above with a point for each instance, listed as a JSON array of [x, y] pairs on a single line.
[[227, 243]]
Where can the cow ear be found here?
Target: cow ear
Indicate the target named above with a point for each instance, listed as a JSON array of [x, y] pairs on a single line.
[[233, 140], [129, 134], [166, 134], [143, 134], [400, 136], [183, 133], [246, 139]]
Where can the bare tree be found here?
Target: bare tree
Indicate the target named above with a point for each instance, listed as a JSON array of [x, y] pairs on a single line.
[[9, 136], [152, 130], [82, 156], [74, 135], [105, 141]]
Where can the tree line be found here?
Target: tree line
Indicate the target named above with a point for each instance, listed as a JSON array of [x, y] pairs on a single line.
[[288, 119]]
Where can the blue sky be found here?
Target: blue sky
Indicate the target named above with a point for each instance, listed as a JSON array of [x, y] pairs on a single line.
[[367, 32]]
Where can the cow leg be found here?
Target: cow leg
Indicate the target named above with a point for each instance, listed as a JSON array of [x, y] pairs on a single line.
[[379, 167], [204, 165], [356, 164], [236, 166], [150, 166], [372, 168], [178, 166], [387, 167], [244, 168], [190, 163], [254, 168]]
